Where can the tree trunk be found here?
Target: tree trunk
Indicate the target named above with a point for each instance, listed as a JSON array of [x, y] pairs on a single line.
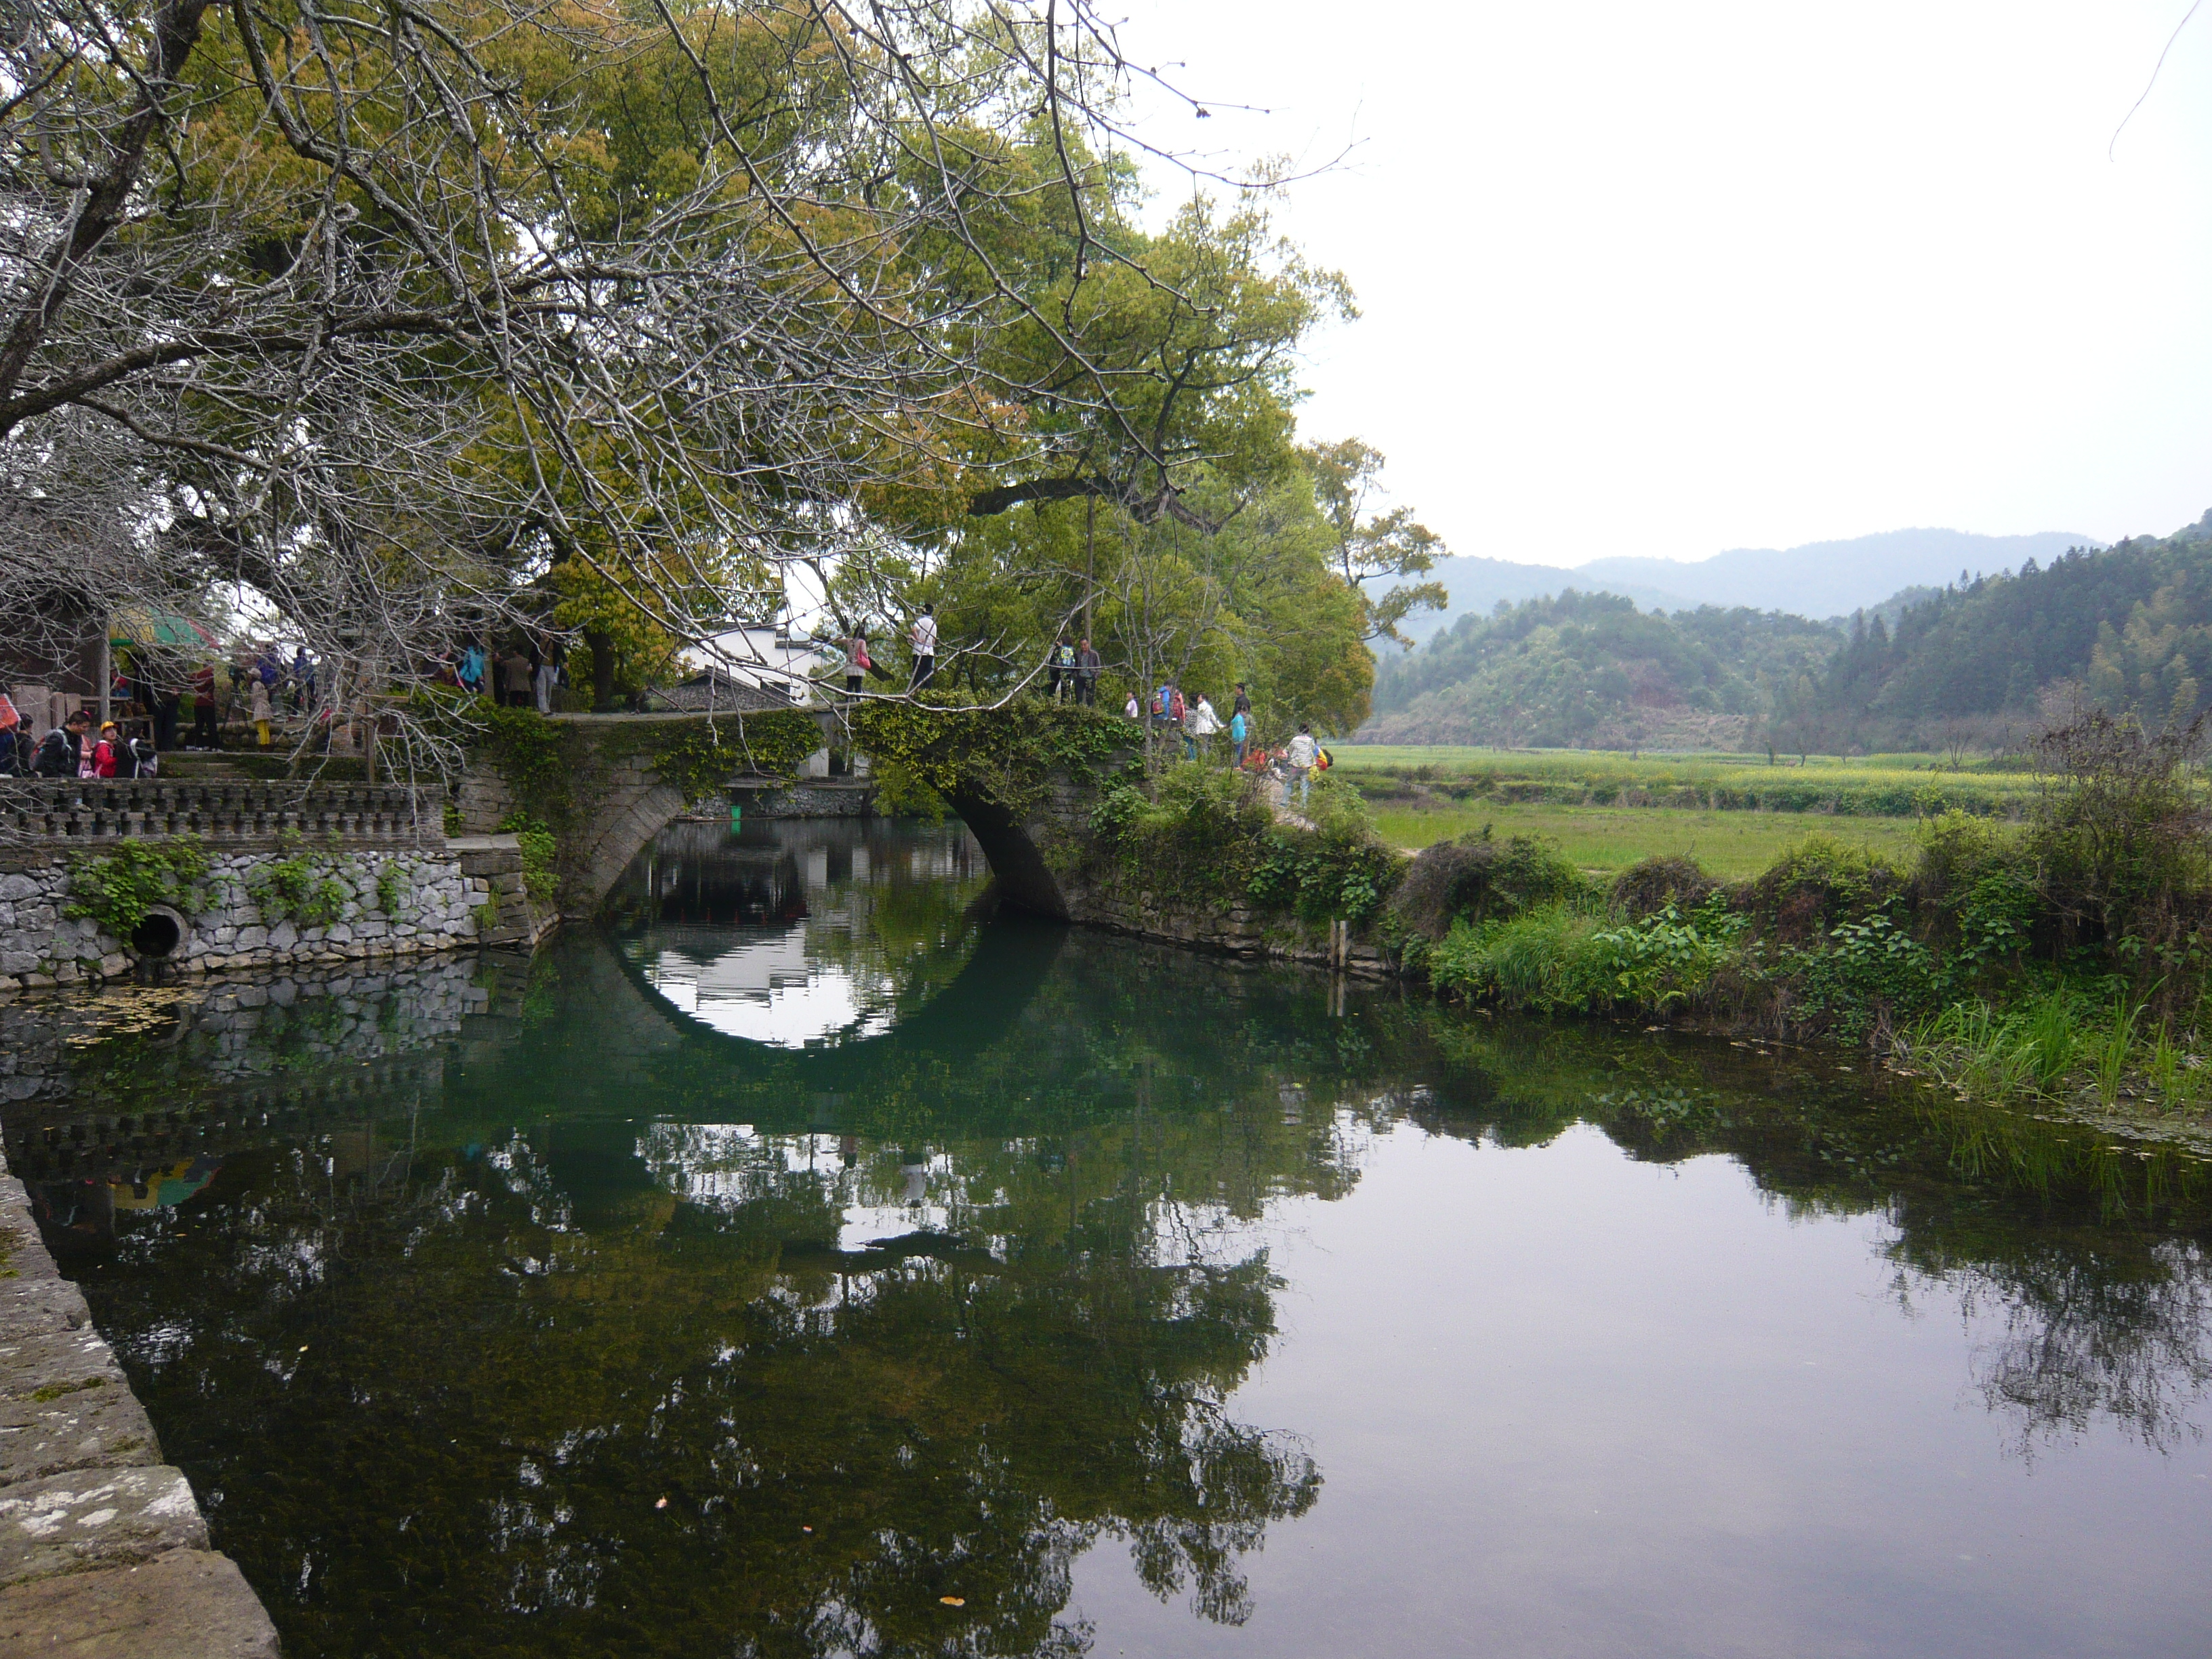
[[602, 647]]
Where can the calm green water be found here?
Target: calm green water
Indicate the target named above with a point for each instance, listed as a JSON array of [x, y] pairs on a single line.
[[810, 1247]]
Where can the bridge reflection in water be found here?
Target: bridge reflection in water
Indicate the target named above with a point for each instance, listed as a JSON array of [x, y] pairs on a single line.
[[801, 933]]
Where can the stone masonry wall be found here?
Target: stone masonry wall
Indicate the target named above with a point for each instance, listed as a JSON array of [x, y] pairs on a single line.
[[1071, 883], [440, 907]]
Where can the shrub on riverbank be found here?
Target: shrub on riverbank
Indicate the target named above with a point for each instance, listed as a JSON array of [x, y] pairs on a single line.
[[2070, 960], [1196, 833]]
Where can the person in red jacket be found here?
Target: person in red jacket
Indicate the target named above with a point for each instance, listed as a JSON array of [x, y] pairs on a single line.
[[103, 752]]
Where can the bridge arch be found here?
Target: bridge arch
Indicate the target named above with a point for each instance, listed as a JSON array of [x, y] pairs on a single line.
[[620, 780]]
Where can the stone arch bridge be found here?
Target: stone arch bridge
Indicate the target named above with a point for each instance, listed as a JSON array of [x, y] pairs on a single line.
[[1035, 855]]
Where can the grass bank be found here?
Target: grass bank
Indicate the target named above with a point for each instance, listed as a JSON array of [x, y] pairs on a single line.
[[2063, 966]]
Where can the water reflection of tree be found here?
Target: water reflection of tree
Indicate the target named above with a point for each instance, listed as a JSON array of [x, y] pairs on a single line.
[[2089, 1260], [507, 1368]]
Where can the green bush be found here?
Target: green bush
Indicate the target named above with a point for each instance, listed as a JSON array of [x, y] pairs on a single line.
[[541, 877], [1817, 884], [1476, 880], [2116, 843], [1562, 957], [298, 889], [391, 889], [1543, 960], [118, 889], [1976, 895], [1864, 973], [1669, 957], [1206, 835]]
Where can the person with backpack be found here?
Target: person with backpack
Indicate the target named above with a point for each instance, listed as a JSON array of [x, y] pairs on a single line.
[[1061, 671], [1301, 754], [58, 749]]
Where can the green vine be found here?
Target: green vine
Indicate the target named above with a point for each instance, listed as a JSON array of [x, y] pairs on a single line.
[[117, 890], [540, 877], [298, 889], [699, 761], [391, 889], [1008, 756], [556, 769]]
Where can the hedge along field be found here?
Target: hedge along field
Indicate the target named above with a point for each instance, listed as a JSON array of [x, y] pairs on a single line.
[[1881, 785], [1732, 845]]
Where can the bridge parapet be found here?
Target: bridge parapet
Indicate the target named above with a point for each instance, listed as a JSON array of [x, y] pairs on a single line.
[[38, 814]]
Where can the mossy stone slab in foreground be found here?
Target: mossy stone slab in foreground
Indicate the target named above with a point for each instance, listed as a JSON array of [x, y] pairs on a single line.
[[188, 1604], [95, 1518]]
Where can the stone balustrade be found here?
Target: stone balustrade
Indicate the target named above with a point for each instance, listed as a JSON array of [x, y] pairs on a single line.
[[35, 813]]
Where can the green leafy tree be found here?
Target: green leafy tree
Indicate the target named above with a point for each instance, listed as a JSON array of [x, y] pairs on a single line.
[[1390, 545]]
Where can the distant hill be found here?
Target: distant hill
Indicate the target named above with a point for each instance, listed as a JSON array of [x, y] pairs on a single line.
[[2127, 630], [1820, 579], [1592, 671]]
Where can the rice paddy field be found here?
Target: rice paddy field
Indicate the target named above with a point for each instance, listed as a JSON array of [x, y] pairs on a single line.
[[1732, 845], [1874, 786], [1733, 813]]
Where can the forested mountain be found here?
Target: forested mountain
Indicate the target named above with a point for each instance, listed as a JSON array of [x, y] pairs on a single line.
[[1822, 579], [2126, 629], [1591, 670], [1985, 662]]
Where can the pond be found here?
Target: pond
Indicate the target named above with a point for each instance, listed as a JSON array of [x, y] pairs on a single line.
[[812, 1262]]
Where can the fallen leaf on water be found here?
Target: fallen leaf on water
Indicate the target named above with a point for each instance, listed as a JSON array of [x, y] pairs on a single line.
[[954, 1600], [806, 1529], [662, 1505]]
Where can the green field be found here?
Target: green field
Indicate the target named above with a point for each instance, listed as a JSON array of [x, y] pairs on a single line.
[[1878, 785], [1728, 844]]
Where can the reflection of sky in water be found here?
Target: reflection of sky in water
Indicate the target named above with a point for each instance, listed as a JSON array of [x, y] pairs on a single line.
[[733, 1164], [773, 934], [767, 990]]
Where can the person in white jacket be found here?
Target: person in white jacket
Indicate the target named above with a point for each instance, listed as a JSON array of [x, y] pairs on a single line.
[[1200, 722], [1301, 754]]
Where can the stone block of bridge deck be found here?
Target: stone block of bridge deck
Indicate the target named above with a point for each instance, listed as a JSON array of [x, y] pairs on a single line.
[[188, 1604], [91, 1518]]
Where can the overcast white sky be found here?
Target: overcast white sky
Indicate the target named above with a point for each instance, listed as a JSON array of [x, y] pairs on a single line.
[[1668, 280]]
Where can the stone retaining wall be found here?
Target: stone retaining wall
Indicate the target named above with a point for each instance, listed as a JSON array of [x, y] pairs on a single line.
[[103, 1548], [465, 893]]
